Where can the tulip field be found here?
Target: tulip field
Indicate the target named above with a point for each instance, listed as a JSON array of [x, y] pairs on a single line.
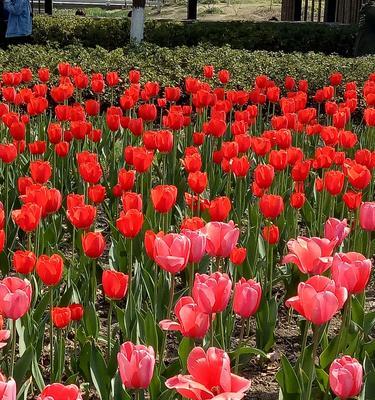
[[187, 242]]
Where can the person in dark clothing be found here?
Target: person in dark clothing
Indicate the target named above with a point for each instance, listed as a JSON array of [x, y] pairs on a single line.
[[3, 22]]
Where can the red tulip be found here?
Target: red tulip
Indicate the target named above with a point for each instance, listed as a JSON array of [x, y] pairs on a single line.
[[192, 322], [334, 182], [81, 216], [358, 176], [271, 234], [352, 200], [130, 223], [197, 181], [163, 197], [126, 179], [238, 255], [209, 377], [131, 200], [96, 193], [149, 243], [223, 76], [24, 261], [93, 244], [28, 217], [115, 284], [76, 311], [220, 208], [318, 299], [271, 206], [50, 269], [61, 317], [57, 391], [90, 172]]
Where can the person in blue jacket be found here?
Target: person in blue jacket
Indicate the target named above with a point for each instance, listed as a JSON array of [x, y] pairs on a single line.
[[19, 20]]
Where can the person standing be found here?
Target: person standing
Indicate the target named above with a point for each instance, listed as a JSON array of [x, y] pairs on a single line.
[[19, 26]]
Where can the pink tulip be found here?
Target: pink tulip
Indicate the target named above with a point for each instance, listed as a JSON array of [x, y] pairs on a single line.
[[367, 216], [222, 238], [171, 252], [8, 389], [345, 377], [57, 391], [212, 292], [336, 230], [198, 244], [352, 271], [210, 377], [15, 297], [311, 255], [247, 297], [136, 365], [192, 322], [318, 299]]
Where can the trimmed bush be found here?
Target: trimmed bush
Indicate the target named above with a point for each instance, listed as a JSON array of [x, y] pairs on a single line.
[[111, 33], [170, 66]]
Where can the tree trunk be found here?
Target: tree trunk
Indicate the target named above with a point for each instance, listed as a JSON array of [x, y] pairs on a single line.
[[192, 9], [138, 21]]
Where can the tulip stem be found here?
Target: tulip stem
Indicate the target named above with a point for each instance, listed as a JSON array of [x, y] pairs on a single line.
[[243, 324], [316, 337], [13, 353], [191, 279], [212, 330], [368, 250], [109, 331], [344, 324], [51, 333], [93, 281]]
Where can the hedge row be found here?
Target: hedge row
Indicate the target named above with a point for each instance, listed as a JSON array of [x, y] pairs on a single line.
[[111, 33], [170, 66]]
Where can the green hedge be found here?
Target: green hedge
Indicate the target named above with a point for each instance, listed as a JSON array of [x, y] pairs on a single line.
[[111, 33], [170, 66]]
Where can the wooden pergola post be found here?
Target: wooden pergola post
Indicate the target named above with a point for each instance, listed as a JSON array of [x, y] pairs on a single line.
[[48, 6], [291, 10]]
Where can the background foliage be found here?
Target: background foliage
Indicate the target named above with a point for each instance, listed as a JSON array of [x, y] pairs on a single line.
[[170, 66], [111, 33]]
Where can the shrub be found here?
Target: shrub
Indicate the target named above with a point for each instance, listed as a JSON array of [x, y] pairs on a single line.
[[111, 33]]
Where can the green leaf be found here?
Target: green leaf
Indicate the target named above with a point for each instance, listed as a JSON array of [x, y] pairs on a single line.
[[99, 375], [22, 366], [369, 387], [184, 349], [266, 323], [91, 321], [23, 392], [288, 380], [150, 329], [118, 391], [245, 350], [329, 353], [37, 375]]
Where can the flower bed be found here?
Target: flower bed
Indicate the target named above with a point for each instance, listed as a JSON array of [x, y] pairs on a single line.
[[163, 239]]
